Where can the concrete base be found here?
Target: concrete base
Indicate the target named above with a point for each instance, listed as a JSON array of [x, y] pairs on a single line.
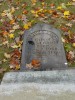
[[45, 85], [56, 76]]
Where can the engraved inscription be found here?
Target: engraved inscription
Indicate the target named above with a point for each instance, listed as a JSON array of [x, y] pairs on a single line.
[[46, 43]]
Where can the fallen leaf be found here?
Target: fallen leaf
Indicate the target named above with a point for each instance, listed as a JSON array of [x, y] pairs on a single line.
[[4, 60], [17, 39], [11, 31], [25, 12], [29, 66], [59, 8], [5, 33], [3, 14], [69, 4], [6, 55], [12, 21], [33, 2], [27, 25], [11, 36], [35, 63], [16, 27], [16, 53], [63, 40], [9, 15], [69, 24], [73, 44], [63, 5], [2, 70], [12, 10], [65, 29], [12, 66], [73, 0], [42, 15], [17, 67], [66, 13], [70, 56], [14, 46], [24, 4], [52, 5]]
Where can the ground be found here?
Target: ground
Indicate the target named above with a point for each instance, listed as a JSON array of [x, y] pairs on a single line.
[[19, 15]]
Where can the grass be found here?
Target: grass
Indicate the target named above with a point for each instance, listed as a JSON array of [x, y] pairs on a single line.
[[18, 3]]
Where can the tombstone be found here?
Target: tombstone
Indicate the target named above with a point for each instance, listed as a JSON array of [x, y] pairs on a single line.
[[43, 42]]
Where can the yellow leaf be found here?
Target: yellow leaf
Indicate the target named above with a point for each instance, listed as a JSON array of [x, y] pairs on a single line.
[[32, 11], [11, 36], [73, 44], [36, 15], [12, 10], [40, 10], [29, 24], [65, 17], [26, 26], [3, 14], [59, 8], [33, 2], [66, 13], [19, 45], [43, 3], [17, 67]]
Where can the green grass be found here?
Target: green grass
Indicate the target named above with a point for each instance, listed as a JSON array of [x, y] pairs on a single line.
[[58, 21]]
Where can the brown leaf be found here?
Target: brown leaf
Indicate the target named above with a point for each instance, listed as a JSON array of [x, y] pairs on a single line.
[[14, 61], [2, 70], [42, 15], [24, 4], [41, 0], [35, 63], [52, 5], [16, 53], [25, 12], [70, 56], [65, 29]]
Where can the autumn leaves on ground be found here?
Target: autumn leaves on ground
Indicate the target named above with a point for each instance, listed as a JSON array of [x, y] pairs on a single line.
[[19, 15]]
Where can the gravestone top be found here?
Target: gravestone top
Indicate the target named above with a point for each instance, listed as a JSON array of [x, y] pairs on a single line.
[[42, 45]]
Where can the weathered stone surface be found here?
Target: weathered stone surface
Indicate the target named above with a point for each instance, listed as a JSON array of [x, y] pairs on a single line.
[[43, 42], [37, 92], [39, 85], [41, 77]]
